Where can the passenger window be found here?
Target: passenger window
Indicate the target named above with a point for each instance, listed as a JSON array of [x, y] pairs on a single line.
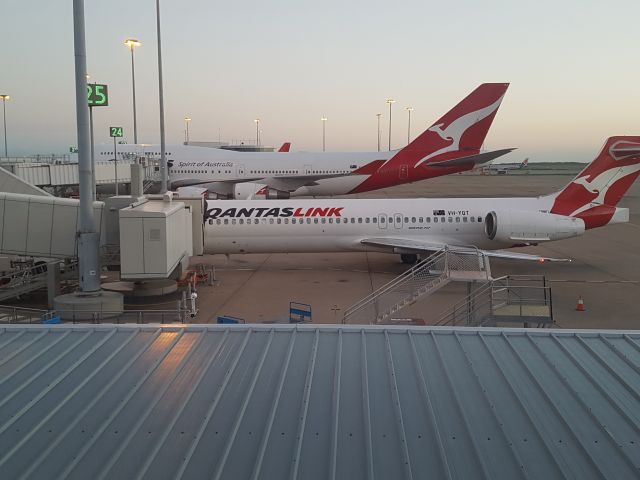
[[374, 220], [450, 219], [241, 221], [353, 220], [435, 219], [256, 221], [359, 219], [331, 220], [382, 220], [293, 220], [366, 220], [315, 220], [211, 221], [218, 221], [473, 219], [464, 219], [479, 219], [413, 219], [457, 219], [279, 221], [406, 219], [271, 220], [226, 221], [323, 220]]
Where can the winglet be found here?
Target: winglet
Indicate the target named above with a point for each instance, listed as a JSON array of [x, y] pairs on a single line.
[[285, 147]]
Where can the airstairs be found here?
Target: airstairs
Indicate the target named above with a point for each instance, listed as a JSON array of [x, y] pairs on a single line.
[[508, 300], [421, 280]]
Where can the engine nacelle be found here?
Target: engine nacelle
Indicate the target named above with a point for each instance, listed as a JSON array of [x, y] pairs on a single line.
[[249, 191], [515, 226]]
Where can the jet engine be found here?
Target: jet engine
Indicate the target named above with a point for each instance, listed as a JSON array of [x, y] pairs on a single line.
[[509, 226], [248, 191]]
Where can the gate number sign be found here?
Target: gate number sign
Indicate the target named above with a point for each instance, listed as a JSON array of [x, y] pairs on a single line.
[[115, 131], [97, 95]]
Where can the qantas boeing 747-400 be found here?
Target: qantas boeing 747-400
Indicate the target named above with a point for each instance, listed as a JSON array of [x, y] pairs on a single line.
[[450, 145], [413, 227]]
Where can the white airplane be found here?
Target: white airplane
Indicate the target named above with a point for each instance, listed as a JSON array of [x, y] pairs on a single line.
[[451, 145], [413, 227], [504, 168]]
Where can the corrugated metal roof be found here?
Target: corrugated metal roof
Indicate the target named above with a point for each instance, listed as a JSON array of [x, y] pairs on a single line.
[[317, 402]]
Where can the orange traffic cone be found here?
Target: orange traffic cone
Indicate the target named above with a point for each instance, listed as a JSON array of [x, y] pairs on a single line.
[[580, 305]]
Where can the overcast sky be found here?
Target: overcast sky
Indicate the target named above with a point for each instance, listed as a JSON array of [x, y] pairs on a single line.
[[572, 65]]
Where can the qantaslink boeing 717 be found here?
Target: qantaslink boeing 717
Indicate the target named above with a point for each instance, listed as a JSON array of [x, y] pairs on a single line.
[[413, 227]]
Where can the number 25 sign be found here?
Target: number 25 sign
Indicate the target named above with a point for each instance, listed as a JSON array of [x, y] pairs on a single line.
[[97, 95]]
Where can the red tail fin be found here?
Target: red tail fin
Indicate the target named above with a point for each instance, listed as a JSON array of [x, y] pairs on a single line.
[[285, 147], [463, 128], [595, 192], [459, 133]]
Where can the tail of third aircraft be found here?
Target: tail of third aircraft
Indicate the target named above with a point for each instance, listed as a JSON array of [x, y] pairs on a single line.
[[595, 192]]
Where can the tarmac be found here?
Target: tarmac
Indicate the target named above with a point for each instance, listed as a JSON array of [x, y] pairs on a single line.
[[605, 267]]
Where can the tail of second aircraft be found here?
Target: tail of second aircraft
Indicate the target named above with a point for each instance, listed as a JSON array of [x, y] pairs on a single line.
[[595, 192], [462, 129]]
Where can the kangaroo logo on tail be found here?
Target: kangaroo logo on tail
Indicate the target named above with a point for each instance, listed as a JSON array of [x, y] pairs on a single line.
[[604, 181], [456, 129]]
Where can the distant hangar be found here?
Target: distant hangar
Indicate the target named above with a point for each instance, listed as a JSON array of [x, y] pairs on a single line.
[[317, 402]]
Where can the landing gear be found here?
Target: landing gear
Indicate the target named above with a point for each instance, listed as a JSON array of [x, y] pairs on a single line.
[[409, 258]]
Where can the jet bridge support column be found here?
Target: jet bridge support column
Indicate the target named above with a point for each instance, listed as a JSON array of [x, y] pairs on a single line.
[[90, 298]]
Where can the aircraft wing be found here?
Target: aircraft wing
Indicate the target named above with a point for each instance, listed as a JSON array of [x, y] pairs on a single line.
[[471, 159], [403, 245]]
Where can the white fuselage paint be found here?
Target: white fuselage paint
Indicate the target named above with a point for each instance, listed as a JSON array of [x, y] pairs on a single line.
[[409, 219], [328, 173]]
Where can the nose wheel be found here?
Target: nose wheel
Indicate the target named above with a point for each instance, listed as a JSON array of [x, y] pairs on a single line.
[[409, 258]]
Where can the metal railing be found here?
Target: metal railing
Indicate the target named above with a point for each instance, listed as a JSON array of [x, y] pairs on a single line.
[[10, 314], [50, 159], [126, 316], [422, 279], [512, 298]]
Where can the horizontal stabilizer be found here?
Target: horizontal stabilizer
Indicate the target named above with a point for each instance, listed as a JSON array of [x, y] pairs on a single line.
[[403, 245], [471, 159]]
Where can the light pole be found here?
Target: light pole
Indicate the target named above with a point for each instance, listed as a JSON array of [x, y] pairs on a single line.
[[409, 110], [4, 117], [93, 150], [132, 43], [324, 125], [257, 120], [390, 101], [378, 115], [187, 120], [164, 169]]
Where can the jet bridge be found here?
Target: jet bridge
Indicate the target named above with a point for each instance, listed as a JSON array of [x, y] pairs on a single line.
[[150, 238]]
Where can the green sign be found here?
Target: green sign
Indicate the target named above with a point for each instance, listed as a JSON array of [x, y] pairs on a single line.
[[115, 131], [122, 142], [73, 149], [97, 95]]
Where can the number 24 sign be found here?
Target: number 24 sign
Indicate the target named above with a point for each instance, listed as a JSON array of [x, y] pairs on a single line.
[[115, 131]]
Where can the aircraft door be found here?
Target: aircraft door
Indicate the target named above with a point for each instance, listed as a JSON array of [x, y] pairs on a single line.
[[240, 170], [404, 172], [382, 220], [307, 169], [397, 220]]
